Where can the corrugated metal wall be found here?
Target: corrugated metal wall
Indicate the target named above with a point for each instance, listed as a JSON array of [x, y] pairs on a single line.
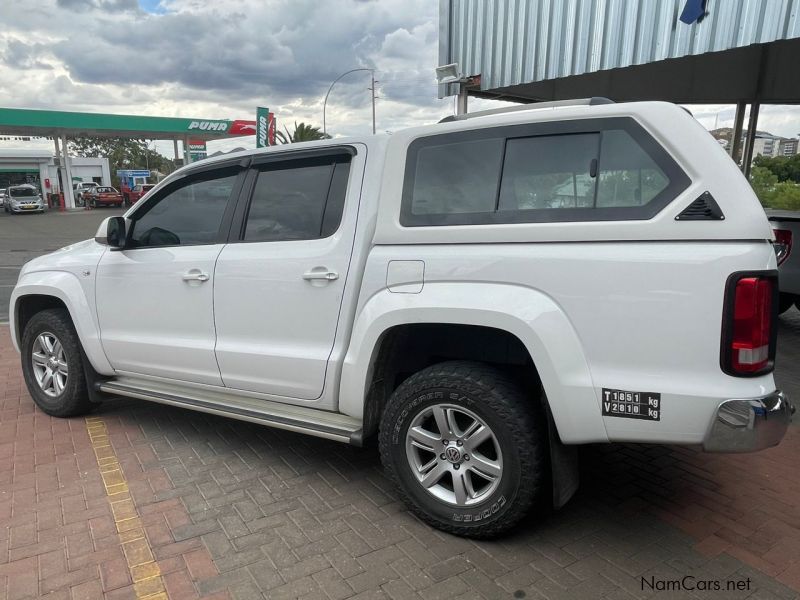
[[510, 42]]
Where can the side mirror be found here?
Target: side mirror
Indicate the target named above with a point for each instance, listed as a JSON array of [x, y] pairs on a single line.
[[111, 233]]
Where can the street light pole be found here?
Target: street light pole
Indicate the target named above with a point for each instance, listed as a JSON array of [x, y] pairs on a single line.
[[325, 102], [372, 91]]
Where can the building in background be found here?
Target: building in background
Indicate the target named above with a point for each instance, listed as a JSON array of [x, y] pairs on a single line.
[[764, 143], [38, 167], [789, 146]]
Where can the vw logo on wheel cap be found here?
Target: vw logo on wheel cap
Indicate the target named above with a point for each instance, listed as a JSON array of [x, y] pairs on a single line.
[[453, 454]]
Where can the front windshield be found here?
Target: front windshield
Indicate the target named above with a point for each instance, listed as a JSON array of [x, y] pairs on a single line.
[[23, 192]]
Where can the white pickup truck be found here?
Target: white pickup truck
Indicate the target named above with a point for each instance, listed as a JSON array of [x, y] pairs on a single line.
[[483, 295]]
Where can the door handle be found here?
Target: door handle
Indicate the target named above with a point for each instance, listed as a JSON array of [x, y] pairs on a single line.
[[195, 275], [320, 273]]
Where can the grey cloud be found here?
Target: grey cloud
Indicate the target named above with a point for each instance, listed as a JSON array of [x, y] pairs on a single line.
[[103, 5], [25, 56], [279, 51]]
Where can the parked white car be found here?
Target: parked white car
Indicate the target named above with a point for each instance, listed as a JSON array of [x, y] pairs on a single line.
[[484, 295], [80, 188]]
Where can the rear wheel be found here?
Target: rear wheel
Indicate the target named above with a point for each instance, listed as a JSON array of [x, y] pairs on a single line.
[[52, 364], [785, 302], [465, 446]]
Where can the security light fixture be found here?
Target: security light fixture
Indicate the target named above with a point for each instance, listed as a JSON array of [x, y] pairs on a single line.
[[449, 74]]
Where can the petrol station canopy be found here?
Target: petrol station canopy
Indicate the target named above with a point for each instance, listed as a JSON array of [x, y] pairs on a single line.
[[52, 123], [62, 125]]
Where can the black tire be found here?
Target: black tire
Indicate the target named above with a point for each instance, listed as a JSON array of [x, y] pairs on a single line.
[[797, 303], [785, 302], [73, 399], [514, 418]]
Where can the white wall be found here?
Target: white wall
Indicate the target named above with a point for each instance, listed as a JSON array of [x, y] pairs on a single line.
[[83, 169]]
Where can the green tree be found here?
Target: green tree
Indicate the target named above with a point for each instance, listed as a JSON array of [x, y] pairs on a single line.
[[122, 153], [774, 193], [785, 168], [301, 133]]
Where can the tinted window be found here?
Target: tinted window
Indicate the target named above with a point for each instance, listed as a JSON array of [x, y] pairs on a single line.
[[549, 172], [301, 201], [628, 175], [458, 177], [188, 214], [583, 170]]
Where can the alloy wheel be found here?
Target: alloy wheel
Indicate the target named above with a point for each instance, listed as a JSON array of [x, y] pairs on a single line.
[[454, 454], [49, 364]]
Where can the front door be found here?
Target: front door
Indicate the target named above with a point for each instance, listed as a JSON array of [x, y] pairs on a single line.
[[155, 299], [279, 286]]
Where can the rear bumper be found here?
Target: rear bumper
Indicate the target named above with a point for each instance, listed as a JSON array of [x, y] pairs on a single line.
[[749, 425]]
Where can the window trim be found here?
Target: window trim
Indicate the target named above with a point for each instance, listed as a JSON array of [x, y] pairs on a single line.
[[270, 161], [678, 179], [201, 174]]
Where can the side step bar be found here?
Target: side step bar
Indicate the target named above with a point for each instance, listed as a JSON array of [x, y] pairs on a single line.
[[320, 423]]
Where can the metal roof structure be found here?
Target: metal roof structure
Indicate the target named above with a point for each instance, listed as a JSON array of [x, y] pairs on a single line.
[[532, 50]]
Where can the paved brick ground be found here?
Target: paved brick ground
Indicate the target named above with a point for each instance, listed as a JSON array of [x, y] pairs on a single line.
[[235, 510]]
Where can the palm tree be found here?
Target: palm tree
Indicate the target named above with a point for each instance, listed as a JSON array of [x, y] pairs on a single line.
[[302, 133]]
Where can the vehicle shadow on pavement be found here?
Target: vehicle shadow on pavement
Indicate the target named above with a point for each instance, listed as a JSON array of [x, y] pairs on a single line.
[[264, 501]]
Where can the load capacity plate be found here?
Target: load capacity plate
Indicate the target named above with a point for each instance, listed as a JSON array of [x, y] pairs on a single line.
[[631, 405]]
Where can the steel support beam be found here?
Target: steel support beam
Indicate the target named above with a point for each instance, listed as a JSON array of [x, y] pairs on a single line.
[[752, 124], [461, 101], [736, 139], [69, 199]]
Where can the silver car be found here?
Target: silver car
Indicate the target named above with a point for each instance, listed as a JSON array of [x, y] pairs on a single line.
[[24, 198]]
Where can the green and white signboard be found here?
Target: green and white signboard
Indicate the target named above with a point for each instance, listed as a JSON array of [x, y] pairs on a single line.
[[262, 127]]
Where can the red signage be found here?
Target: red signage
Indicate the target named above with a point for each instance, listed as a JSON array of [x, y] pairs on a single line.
[[271, 129], [242, 127]]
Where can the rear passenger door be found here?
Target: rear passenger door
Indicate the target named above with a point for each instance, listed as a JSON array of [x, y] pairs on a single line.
[[280, 280]]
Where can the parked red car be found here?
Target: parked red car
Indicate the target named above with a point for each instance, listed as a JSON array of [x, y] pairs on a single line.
[[138, 191], [103, 196]]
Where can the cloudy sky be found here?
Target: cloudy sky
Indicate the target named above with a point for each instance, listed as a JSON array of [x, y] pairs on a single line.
[[221, 59]]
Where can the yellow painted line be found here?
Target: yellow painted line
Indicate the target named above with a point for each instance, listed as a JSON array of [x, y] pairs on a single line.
[[145, 573]]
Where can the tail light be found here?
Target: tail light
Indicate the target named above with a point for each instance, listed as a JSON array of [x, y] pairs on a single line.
[[749, 327], [782, 244]]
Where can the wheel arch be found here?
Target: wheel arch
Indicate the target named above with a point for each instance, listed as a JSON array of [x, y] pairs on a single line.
[[58, 289], [531, 324]]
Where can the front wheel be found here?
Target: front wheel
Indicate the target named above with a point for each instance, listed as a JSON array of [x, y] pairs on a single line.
[[465, 446], [52, 364]]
